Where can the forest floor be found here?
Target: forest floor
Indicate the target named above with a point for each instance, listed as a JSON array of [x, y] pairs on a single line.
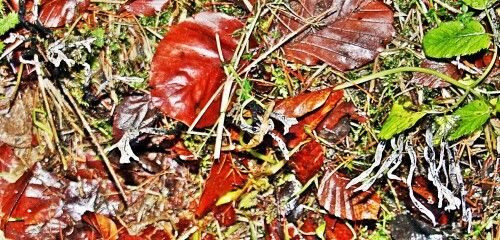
[[248, 119]]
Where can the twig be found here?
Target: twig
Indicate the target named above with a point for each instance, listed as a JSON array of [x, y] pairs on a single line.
[[96, 143]]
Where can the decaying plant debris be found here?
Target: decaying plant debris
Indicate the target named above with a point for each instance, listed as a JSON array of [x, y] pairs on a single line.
[[298, 119]]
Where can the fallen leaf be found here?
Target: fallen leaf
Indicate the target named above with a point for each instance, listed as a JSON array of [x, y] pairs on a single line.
[[344, 203], [223, 178], [133, 112], [311, 119], [307, 161], [105, 226], [57, 13], [225, 214], [146, 8], [349, 36], [433, 81], [16, 125], [336, 229], [302, 104], [336, 125], [186, 69]]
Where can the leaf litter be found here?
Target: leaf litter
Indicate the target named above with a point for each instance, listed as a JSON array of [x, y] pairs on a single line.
[[302, 155]]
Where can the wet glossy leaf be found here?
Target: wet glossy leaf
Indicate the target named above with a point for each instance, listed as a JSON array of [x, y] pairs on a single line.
[[311, 119], [224, 177], [433, 81], [344, 203], [105, 226], [351, 35], [186, 69], [133, 112], [225, 214], [57, 13], [146, 7], [307, 162]]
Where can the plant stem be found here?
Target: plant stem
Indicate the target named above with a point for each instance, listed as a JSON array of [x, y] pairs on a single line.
[[409, 69]]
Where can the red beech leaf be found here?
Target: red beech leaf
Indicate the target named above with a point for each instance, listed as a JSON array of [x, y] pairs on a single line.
[[152, 232], [344, 203], [351, 35], [146, 7], [105, 226], [310, 225], [312, 119], [223, 178], [186, 70], [432, 81], [336, 125], [336, 229], [131, 113], [225, 214], [57, 13], [307, 162]]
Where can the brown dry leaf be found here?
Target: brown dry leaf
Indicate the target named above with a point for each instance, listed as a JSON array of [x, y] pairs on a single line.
[[146, 8], [186, 69], [57, 13], [16, 125], [433, 81], [307, 162], [351, 35], [302, 104], [344, 203], [105, 226]]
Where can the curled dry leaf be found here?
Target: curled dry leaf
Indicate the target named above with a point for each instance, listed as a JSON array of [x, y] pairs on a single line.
[[310, 118], [186, 69], [224, 177], [433, 81], [105, 226], [145, 7], [344, 203], [57, 13], [307, 162], [350, 35]]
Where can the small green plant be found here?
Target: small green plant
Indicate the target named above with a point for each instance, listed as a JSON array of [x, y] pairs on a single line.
[[7, 22]]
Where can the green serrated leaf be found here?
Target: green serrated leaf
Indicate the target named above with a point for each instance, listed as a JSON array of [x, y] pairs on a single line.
[[249, 200], [444, 124], [400, 118], [229, 197], [479, 4], [472, 117], [455, 38], [8, 22]]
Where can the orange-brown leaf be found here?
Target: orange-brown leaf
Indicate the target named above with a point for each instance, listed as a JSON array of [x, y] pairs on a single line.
[[105, 226], [307, 162]]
